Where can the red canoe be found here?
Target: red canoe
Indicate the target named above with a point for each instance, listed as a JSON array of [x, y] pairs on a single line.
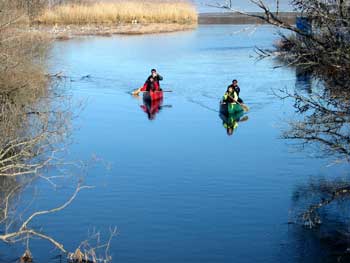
[[152, 95]]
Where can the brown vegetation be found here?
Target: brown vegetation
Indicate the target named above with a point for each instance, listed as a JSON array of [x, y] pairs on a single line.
[[22, 85], [34, 121], [120, 12], [324, 48]]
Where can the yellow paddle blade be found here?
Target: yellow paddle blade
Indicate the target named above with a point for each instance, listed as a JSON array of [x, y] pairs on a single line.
[[136, 92], [245, 107]]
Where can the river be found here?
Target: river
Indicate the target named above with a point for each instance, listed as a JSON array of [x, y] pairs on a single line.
[[177, 186]]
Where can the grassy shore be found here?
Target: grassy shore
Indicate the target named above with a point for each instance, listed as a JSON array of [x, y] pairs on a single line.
[[144, 12], [65, 32]]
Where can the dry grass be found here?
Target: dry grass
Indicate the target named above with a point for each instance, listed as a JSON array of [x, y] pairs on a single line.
[[121, 12]]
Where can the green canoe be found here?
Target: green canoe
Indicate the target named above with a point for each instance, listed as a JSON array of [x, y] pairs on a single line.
[[230, 108]]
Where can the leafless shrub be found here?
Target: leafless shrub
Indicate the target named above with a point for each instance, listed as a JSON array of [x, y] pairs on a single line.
[[26, 113], [322, 204], [322, 46], [320, 193], [34, 121], [324, 120], [14, 230]]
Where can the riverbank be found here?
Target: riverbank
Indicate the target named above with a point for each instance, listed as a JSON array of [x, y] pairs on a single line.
[[64, 32], [86, 18]]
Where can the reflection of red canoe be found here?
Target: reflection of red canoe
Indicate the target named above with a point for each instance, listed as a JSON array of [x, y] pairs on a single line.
[[152, 107], [152, 95]]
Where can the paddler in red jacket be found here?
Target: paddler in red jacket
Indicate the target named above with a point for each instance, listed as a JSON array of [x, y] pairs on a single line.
[[155, 82]]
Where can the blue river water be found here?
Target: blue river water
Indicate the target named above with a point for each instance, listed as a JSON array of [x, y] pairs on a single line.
[[178, 187]]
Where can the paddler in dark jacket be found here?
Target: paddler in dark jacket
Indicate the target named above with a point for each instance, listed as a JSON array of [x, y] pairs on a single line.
[[235, 86], [156, 78]]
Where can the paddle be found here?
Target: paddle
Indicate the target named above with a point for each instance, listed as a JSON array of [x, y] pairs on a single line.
[[243, 119], [166, 106], [244, 107], [137, 92]]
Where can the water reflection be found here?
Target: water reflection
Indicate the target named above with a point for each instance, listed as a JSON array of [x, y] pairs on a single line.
[[230, 120], [323, 121], [303, 79], [152, 107], [323, 205], [7, 184]]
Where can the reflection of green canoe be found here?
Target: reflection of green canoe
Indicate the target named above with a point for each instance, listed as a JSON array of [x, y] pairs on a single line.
[[231, 120], [230, 108]]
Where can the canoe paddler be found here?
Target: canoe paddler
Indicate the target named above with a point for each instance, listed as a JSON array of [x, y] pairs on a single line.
[[155, 76], [235, 86], [151, 84], [230, 95], [153, 79]]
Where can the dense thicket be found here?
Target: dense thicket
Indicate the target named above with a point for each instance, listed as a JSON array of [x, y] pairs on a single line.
[[34, 118], [24, 117], [324, 45]]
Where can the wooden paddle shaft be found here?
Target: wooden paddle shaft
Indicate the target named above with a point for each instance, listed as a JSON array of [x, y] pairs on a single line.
[[241, 104]]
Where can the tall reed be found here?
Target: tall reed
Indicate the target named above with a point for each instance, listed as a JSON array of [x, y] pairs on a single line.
[[121, 12]]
